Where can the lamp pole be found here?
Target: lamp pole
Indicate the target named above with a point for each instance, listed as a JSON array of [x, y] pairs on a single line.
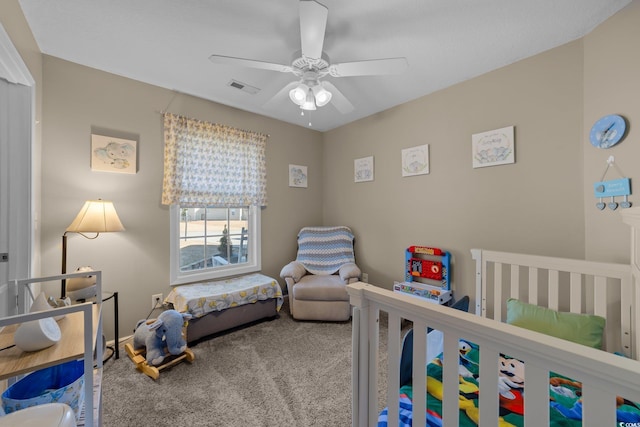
[[63, 290]]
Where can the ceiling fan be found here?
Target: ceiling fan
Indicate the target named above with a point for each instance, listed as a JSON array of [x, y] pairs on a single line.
[[312, 64]]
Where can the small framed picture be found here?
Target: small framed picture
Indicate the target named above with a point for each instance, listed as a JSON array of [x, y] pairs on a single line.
[[415, 160], [297, 176], [493, 148], [363, 169], [109, 154]]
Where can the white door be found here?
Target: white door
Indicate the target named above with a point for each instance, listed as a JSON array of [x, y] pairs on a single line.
[[16, 124], [4, 206]]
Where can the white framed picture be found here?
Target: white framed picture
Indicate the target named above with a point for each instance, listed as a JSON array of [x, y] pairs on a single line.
[[363, 169], [415, 160], [493, 148], [109, 154], [297, 176]]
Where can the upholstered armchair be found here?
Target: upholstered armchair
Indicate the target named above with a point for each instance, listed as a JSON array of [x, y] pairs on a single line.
[[316, 280]]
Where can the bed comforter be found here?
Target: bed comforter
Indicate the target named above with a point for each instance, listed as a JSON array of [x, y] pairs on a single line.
[[202, 298], [565, 402]]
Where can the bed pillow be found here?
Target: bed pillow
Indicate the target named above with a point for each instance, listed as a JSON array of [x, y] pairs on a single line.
[[585, 329]]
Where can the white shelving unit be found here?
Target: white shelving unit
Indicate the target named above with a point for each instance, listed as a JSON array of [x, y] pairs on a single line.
[[80, 328]]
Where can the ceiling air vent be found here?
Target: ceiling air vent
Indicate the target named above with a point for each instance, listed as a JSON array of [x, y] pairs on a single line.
[[243, 86]]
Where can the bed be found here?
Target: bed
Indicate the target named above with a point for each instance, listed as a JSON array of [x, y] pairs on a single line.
[[567, 383], [225, 304]]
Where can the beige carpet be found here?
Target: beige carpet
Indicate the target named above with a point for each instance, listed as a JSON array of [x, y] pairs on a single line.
[[275, 373]]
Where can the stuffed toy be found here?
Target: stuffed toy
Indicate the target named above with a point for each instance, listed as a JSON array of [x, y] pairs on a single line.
[[164, 332]]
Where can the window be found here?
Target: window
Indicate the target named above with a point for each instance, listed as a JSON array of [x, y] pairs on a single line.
[[215, 182], [213, 242]]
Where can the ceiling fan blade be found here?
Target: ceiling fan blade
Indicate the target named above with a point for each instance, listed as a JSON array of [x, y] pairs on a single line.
[[251, 63], [372, 67], [279, 96], [313, 23], [338, 100]]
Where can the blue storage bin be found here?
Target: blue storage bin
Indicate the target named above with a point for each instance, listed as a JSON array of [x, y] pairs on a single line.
[[62, 383]]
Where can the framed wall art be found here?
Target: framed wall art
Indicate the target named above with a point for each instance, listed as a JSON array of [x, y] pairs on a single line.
[[363, 169], [109, 154], [493, 148], [297, 176], [415, 160]]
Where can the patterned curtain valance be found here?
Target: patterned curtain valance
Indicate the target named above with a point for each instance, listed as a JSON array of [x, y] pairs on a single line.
[[207, 164]]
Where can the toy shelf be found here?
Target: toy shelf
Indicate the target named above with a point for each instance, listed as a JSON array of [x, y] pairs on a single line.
[[427, 274], [15, 362], [80, 328]]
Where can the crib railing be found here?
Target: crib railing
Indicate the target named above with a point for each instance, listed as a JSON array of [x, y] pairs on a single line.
[[604, 289], [603, 375]]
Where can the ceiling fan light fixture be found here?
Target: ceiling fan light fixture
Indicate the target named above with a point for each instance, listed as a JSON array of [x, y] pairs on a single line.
[[322, 95], [298, 94], [310, 101]]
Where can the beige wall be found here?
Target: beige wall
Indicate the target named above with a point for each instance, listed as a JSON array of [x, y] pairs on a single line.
[[541, 204], [612, 85], [78, 100], [532, 206]]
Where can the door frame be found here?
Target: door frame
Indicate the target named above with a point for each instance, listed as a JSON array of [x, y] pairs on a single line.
[[20, 189]]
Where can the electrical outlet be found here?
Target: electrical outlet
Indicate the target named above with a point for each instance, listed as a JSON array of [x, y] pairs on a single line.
[[156, 301], [365, 277]]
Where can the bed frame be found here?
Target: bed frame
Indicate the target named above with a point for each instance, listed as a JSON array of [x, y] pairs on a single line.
[[202, 328], [563, 284], [244, 311], [608, 290]]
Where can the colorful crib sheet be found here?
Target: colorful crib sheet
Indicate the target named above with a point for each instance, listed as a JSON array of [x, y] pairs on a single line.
[[202, 298], [564, 393]]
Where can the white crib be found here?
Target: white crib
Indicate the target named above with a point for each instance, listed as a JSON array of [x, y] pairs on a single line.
[[608, 290]]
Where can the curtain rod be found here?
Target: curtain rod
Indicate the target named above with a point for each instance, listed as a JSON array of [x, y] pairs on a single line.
[[176, 93], [162, 112]]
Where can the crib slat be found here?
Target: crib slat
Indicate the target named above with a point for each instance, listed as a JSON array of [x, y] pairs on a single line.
[[488, 401], [356, 377], [635, 330], [515, 281], [450, 413], [626, 317], [598, 407], [419, 369], [536, 399], [374, 338], [481, 279], [600, 296], [533, 285], [554, 289], [393, 361], [600, 305], [575, 293], [497, 291], [483, 288]]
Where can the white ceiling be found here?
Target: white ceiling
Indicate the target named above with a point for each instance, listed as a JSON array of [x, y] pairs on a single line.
[[168, 42]]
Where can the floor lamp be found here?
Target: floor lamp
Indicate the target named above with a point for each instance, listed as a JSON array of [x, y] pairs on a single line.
[[96, 216]]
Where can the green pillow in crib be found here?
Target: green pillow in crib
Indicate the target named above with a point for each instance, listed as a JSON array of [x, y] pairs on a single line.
[[585, 329]]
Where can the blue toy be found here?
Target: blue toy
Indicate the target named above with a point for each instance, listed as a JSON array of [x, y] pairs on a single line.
[[164, 332]]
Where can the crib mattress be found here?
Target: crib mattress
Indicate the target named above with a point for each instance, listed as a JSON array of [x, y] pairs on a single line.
[[198, 299], [564, 394]]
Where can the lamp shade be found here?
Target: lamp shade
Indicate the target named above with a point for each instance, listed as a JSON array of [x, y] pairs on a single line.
[[299, 94], [96, 216], [321, 95]]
